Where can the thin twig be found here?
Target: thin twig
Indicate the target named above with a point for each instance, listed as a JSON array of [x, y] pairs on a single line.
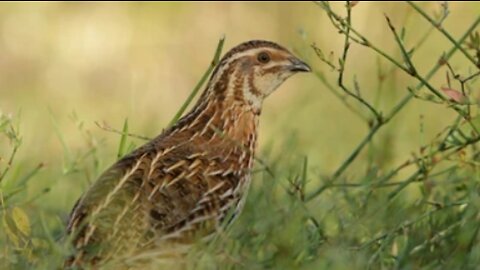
[[400, 228], [396, 109], [108, 128], [445, 33]]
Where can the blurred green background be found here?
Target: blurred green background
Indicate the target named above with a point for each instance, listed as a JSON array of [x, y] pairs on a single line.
[[65, 66]]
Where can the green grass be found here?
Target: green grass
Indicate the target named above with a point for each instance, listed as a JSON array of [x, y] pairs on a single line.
[[375, 198]]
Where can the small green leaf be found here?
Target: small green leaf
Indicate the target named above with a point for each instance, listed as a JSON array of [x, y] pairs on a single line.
[[21, 220], [9, 232]]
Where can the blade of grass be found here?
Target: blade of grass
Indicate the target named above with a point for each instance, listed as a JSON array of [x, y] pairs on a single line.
[[20, 183], [123, 139], [197, 87], [66, 151]]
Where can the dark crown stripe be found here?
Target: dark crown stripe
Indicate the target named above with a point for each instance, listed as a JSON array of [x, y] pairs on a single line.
[[252, 44]]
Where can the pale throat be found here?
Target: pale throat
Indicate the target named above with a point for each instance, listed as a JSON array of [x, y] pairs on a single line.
[[256, 87]]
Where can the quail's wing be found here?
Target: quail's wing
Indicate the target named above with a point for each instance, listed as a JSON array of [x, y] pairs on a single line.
[[155, 193], [110, 217]]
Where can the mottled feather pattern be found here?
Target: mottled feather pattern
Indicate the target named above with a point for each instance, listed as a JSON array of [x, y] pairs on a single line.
[[180, 186]]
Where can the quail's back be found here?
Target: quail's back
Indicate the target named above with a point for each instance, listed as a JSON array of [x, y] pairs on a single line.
[[182, 185]]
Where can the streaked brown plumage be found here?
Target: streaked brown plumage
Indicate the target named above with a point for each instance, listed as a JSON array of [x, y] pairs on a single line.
[[181, 185]]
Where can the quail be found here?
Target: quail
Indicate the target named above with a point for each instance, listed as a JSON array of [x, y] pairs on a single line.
[[193, 178]]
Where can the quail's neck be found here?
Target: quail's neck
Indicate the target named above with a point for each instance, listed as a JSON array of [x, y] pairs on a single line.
[[220, 118], [227, 134]]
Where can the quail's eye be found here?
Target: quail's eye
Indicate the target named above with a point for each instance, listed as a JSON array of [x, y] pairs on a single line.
[[263, 57]]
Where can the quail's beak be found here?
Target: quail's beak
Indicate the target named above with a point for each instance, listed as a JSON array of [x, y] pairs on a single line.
[[298, 65]]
